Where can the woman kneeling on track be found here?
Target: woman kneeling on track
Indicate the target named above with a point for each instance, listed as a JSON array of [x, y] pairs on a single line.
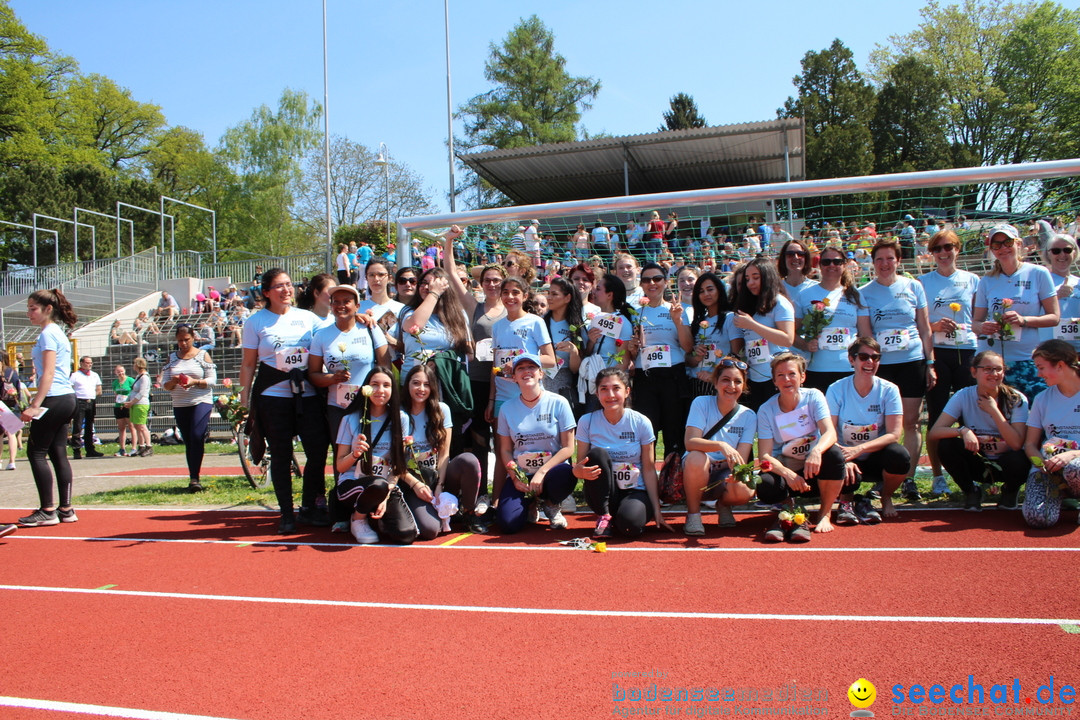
[[430, 425], [370, 460], [992, 421], [535, 436], [868, 415], [796, 422], [1053, 434], [616, 449], [719, 437]]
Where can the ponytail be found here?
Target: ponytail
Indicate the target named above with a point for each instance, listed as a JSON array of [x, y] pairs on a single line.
[[62, 312]]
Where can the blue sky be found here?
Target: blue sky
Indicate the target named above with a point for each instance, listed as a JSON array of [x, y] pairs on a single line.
[[208, 64]]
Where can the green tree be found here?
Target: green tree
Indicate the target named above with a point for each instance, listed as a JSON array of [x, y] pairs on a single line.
[[836, 104], [682, 115], [1008, 73], [263, 157], [103, 123], [534, 100]]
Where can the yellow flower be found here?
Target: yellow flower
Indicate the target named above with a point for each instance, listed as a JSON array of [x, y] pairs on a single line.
[[799, 518], [600, 547], [826, 302], [955, 307]]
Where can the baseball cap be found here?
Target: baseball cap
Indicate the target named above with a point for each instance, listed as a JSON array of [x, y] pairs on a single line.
[[346, 288], [1004, 229], [527, 357]]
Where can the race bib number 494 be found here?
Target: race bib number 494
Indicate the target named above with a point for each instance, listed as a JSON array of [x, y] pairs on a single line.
[[289, 358]]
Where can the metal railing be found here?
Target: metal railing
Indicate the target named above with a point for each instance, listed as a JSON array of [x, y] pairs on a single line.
[[769, 191]]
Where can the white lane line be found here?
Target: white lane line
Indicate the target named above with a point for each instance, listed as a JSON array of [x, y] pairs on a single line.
[[666, 615], [105, 710], [611, 548]]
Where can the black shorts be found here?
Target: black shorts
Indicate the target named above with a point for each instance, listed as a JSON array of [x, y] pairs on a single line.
[[121, 412], [909, 376]]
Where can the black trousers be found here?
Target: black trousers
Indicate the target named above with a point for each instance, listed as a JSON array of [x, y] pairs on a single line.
[[966, 468], [630, 510], [663, 396], [773, 489], [85, 414], [280, 425], [48, 438]]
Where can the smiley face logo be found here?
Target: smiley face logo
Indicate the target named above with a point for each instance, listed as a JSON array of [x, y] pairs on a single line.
[[862, 693]]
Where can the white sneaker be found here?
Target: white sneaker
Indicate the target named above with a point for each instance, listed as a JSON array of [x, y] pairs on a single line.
[[363, 532], [10, 466], [569, 505], [554, 516], [482, 504]]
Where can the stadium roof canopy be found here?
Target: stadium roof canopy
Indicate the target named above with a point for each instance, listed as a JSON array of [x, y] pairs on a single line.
[[722, 156]]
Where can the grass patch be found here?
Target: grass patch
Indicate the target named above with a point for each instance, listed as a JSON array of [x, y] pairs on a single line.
[[212, 448], [218, 490]]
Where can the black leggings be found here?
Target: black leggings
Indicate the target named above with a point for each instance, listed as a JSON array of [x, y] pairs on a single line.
[[480, 431], [630, 510], [953, 368], [662, 396], [893, 459], [49, 436], [966, 468], [280, 424], [773, 489], [407, 517], [194, 423]]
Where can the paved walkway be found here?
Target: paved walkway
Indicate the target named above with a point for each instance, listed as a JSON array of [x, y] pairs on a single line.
[[17, 488]]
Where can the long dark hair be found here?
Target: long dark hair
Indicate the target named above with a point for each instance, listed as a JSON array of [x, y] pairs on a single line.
[[781, 259], [614, 285], [448, 310], [574, 313], [361, 404], [723, 307], [765, 300], [315, 285], [435, 431], [62, 312]]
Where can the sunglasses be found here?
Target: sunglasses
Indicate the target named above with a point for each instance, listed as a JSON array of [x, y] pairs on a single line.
[[947, 247], [653, 278], [873, 357], [796, 253], [998, 244], [1058, 251], [825, 262], [728, 363], [407, 281]]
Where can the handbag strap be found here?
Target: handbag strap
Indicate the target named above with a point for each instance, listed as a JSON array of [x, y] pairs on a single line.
[[721, 423]]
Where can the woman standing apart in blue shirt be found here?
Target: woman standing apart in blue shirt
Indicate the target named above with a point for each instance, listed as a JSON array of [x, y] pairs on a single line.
[[52, 407]]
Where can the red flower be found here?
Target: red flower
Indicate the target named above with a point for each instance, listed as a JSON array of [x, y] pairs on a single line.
[[618, 343], [765, 466]]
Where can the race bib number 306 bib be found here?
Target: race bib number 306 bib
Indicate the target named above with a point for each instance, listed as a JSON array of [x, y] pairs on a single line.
[[855, 434], [288, 358]]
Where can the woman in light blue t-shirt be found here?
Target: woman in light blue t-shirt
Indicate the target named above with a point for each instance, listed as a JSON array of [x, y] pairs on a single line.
[[765, 320], [52, 407], [617, 460], [724, 449]]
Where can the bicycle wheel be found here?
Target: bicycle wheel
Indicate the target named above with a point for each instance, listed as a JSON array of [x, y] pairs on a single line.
[[257, 474]]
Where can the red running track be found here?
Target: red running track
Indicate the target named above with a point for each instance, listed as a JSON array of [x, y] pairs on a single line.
[[226, 621]]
